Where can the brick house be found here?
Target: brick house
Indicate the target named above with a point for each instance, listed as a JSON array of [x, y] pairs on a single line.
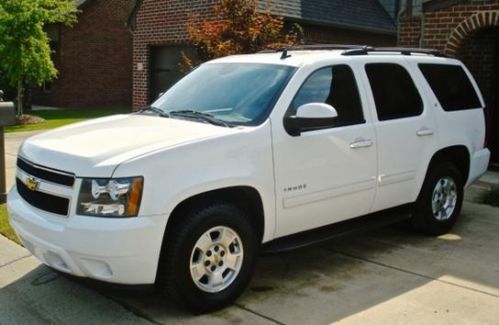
[[94, 58], [159, 34], [468, 30]]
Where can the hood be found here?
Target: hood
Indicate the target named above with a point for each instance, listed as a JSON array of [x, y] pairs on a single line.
[[95, 148]]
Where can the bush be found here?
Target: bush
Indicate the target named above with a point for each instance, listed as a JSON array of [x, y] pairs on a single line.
[[238, 27]]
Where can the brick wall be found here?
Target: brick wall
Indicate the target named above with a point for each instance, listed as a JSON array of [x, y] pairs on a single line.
[[335, 35], [94, 59], [162, 22], [409, 31], [447, 28]]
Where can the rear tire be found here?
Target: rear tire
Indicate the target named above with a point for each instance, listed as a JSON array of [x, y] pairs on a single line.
[[208, 257], [439, 203]]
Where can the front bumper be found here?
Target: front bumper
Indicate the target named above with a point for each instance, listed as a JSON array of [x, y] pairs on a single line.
[[123, 251]]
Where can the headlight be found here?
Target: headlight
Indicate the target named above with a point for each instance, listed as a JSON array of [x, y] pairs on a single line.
[[116, 197]]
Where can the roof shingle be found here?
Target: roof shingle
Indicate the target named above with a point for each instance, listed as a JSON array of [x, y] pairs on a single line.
[[367, 14]]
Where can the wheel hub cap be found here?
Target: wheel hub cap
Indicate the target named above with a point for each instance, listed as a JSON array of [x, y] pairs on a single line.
[[216, 259], [444, 198]]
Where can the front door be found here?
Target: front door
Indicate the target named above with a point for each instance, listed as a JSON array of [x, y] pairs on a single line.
[[327, 175]]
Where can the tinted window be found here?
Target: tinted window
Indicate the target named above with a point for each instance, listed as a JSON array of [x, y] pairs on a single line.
[[335, 86], [451, 85], [395, 94]]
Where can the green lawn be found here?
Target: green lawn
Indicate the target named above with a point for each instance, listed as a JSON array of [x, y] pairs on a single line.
[[64, 117], [5, 228]]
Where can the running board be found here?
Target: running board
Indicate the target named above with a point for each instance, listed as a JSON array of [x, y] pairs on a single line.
[[347, 227]]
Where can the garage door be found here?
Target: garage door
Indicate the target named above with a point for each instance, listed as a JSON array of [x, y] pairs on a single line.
[[165, 70]]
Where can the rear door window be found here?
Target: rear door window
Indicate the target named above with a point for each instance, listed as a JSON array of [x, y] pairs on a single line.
[[394, 91], [451, 85]]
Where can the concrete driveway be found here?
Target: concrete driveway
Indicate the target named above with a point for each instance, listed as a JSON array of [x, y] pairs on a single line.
[[386, 276]]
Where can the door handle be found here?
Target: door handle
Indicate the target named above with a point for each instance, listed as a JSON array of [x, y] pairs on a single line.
[[425, 132], [361, 143]]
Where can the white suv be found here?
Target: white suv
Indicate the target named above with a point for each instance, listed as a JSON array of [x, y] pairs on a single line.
[[266, 151]]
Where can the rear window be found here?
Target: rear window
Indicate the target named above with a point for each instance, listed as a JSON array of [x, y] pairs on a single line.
[[451, 85]]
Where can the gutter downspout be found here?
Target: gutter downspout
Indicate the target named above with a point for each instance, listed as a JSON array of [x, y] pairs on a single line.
[[401, 11], [421, 36]]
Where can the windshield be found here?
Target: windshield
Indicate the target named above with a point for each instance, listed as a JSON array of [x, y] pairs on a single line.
[[235, 93]]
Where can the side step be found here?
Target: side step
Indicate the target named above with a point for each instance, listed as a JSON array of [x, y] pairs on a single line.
[[347, 227]]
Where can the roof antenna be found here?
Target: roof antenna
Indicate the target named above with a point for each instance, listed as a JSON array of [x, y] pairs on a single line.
[[285, 54]]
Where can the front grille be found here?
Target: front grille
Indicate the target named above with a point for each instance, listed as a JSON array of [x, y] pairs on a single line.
[[58, 177], [43, 201]]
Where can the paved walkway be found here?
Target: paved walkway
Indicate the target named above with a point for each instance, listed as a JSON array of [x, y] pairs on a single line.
[[386, 276], [12, 143]]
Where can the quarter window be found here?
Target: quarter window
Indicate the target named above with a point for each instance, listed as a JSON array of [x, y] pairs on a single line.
[[451, 85], [395, 94], [335, 86]]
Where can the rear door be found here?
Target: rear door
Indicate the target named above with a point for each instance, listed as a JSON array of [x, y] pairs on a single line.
[[405, 129]]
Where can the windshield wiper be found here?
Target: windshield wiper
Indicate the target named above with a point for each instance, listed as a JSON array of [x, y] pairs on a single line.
[[189, 113], [156, 110]]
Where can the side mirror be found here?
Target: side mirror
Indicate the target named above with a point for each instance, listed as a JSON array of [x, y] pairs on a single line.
[[309, 117]]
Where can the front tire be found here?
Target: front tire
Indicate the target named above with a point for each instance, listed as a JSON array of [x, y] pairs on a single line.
[[208, 257], [439, 203]]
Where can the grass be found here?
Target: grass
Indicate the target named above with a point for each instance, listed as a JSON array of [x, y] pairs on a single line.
[[490, 197], [57, 118], [5, 228]]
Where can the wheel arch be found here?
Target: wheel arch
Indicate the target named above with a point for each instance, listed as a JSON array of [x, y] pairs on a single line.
[[247, 198], [458, 155]]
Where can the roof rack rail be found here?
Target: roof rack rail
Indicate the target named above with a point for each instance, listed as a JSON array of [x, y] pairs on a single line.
[[402, 50], [354, 49], [313, 47], [317, 47]]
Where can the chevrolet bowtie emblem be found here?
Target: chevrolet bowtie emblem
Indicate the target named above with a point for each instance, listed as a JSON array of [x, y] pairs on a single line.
[[32, 183]]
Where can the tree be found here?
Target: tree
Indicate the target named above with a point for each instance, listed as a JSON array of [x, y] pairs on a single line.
[[24, 45], [238, 27]]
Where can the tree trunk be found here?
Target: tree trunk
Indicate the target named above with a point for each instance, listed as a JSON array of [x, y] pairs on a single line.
[[20, 91]]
